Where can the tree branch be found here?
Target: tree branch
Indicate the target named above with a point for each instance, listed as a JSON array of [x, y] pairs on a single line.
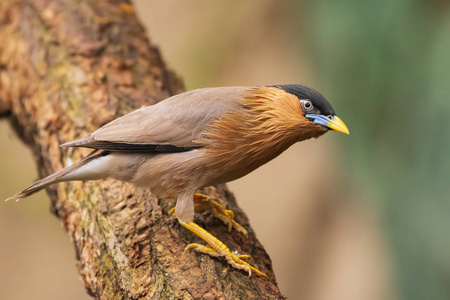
[[67, 68]]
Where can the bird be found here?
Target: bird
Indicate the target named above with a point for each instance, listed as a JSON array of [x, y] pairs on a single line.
[[200, 138]]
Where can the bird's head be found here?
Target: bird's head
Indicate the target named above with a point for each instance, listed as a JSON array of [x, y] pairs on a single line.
[[315, 107]]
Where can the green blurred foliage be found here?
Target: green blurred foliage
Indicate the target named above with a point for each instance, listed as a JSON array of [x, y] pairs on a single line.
[[387, 65]]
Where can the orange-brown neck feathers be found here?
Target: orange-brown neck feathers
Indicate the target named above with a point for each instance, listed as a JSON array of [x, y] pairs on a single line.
[[279, 112], [268, 122], [268, 116]]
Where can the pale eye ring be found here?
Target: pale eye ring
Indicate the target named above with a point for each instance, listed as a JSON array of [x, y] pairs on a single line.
[[307, 104]]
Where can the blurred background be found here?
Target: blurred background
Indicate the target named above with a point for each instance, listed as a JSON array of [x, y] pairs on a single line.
[[365, 216]]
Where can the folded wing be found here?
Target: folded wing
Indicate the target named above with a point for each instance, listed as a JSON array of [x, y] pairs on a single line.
[[172, 125]]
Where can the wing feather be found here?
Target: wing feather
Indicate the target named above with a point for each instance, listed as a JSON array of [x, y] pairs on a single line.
[[172, 125]]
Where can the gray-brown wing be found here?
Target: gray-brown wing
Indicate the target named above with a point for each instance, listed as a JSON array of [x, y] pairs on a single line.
[[172, 125]]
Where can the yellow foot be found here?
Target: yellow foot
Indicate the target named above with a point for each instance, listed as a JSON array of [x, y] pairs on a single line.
[[203, 202], [219, 249]]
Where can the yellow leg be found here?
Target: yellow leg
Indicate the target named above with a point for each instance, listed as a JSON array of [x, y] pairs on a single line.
[[203, 202], [219, 249]]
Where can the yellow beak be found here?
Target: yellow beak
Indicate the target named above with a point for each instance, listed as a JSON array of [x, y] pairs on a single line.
[[332, 122]]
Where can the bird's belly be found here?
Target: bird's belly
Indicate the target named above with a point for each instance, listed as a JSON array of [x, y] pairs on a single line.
[[169, 175], [228, 172], [226, 165]]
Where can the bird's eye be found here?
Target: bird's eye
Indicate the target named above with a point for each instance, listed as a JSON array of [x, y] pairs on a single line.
[[307, 105]]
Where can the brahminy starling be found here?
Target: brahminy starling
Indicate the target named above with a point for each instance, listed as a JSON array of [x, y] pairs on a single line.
[[200, 138]]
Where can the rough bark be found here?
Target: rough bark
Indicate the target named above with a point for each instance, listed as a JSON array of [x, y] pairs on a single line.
[[68, 67]]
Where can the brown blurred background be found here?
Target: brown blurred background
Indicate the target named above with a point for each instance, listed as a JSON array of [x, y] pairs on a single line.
[[364, 216]]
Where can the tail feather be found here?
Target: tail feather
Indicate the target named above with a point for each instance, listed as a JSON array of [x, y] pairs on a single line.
[[55, 177]]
